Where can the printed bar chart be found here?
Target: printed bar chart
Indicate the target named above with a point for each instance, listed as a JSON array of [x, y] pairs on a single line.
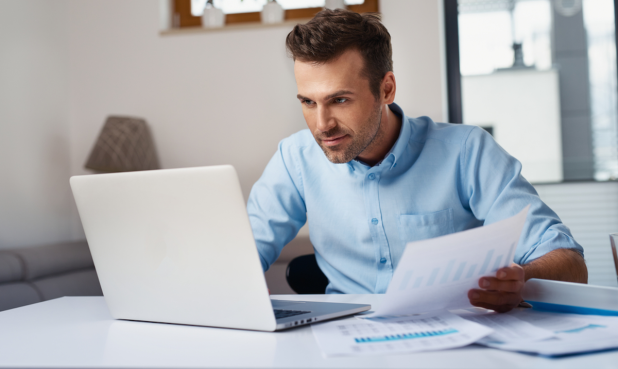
[[405, 336], [425, 332], [445, 276]]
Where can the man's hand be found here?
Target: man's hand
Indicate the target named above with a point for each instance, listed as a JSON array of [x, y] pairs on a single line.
[[503, 292], [500, 293]]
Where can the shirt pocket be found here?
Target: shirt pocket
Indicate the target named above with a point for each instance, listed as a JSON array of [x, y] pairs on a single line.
[[416, 227]]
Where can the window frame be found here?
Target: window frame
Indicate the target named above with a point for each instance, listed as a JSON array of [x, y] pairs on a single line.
[[453, 72], [182, 17]]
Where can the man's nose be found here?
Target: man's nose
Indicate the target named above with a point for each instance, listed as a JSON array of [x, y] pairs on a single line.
[[325, 121]]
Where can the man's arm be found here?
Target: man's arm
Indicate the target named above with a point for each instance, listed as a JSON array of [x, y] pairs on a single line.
[[494, 189], [503, 292], [276, 208], [559, 265]]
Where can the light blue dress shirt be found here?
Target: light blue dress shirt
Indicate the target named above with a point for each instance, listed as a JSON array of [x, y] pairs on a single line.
[[437, 179]]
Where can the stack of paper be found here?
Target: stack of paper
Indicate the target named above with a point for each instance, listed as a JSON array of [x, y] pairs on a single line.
[[397, 335], [528, 331], [571, 333], [509, 329]]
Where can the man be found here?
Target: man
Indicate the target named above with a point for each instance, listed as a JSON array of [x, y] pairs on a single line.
[[370, 179]]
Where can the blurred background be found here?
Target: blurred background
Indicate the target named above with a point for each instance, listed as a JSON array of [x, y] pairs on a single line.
[[539, 75]]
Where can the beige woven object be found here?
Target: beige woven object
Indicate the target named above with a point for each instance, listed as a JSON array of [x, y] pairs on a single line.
[[124, 145]]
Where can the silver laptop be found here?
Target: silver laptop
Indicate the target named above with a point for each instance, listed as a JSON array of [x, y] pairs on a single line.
[[176, 246]]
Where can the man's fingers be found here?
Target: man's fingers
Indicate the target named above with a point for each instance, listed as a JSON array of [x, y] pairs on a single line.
[[495, 284], [513, 272], [500, 293], [496, 300]]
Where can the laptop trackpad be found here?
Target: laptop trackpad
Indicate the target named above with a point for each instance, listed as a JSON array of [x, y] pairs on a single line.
[[279, 304]]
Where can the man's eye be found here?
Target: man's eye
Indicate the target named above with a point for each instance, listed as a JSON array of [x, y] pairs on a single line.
[[308, 102], [340, 100]]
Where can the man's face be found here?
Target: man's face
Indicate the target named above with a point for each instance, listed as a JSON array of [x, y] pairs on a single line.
[[339, 108]]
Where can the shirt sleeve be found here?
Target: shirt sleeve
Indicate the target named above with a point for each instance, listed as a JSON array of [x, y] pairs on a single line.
[[276, 208], [494, 189]]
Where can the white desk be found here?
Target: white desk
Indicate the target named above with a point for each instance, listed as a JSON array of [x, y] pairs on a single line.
[[79, 332]]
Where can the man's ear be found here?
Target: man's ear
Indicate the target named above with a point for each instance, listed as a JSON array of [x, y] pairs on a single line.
[[388, 88]]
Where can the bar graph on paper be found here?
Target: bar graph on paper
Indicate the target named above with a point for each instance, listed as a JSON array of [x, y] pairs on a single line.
[[396, 335], [456, 270]]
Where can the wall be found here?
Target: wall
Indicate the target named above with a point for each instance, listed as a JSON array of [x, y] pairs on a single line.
[[589, 210], [419, 60], [211, 98], [523, 107], [224, 97], [35, 200]]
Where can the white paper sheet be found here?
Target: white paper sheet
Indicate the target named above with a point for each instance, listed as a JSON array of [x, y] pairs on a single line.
[[428, 332], [573, 334], [509, 329], [556, 322], [437, 274]]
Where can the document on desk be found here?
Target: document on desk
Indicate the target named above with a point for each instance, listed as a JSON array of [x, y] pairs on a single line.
[[509, 329], [380, 336], [437, 273], [573, 334]]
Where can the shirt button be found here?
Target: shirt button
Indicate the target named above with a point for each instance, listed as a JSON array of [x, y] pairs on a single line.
[[383, 260], [374, 221], [372, 176]]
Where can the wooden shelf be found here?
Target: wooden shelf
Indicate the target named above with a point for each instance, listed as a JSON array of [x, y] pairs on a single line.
[[231, 27]]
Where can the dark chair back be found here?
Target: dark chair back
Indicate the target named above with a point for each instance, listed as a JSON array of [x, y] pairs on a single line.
[[305, 276]]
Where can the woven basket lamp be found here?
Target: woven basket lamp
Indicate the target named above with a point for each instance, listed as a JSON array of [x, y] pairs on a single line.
[[124, 145]]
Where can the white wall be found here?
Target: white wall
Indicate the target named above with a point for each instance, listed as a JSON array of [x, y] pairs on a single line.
[[419, 61], [35, 201], [225, 97], [523, 107], [218, 97], [211, 98], [589, 210]]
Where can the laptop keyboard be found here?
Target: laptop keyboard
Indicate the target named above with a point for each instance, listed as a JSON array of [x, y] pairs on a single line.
[[280, 313]]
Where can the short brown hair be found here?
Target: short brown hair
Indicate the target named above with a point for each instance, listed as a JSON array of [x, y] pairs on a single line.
[[332, 32]]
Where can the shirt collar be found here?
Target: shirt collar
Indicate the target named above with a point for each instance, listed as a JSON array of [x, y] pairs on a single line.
[[400, 145], [405, 132]]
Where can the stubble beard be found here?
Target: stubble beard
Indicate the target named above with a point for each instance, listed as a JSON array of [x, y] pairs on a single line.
[[370, 134]]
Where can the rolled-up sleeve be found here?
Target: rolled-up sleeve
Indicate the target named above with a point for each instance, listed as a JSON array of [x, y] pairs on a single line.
[[494, 189], [276, 207]]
